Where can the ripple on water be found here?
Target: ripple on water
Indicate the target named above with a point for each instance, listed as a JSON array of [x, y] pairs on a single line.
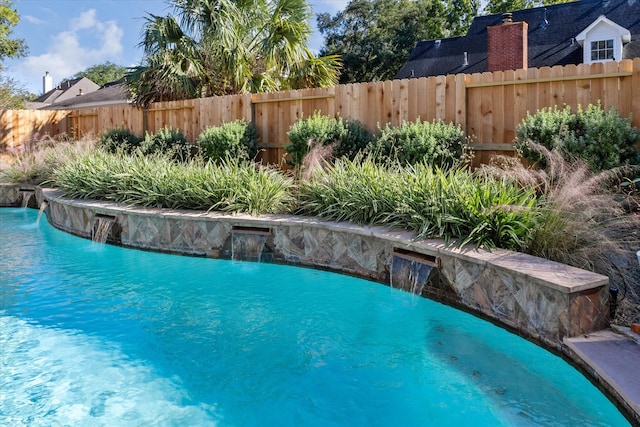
[[60, 377]]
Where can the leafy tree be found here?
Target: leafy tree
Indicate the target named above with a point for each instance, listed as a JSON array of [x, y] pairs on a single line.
[[501, 6], [459, 15], [102, 73], [217, 47], [375, 37], [9, 47], [12, 95]]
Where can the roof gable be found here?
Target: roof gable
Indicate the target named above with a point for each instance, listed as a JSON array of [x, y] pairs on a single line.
[[68, 89], [606, 24]]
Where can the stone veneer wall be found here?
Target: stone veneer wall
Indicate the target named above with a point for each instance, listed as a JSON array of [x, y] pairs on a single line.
[[539, 299]]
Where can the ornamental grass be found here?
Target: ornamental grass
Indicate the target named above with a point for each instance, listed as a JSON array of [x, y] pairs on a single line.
[[35, 160], [159, 181], [454, 204], [584, 220], [564, 212]]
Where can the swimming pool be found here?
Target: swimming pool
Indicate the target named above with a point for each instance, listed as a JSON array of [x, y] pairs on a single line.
[[100, 335]]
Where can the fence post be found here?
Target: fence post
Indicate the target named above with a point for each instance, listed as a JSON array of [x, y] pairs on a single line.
[[145, 120], [70, 126]]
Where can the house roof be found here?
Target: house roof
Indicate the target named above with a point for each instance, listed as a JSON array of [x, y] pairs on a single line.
[[551, 38], [109, 94], [67, 90]]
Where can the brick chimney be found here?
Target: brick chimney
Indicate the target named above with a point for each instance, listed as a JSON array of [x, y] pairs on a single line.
[[507, 45]]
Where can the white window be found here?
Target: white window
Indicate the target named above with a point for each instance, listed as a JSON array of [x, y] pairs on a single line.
[[602, 50]]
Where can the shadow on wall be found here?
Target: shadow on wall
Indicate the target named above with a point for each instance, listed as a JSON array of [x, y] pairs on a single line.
[[23, 130]]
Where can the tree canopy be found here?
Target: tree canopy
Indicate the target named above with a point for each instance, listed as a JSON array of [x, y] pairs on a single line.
[[501, 6], [102, 74], [375, 37], [12, 94], [9, 47], [217, 47]]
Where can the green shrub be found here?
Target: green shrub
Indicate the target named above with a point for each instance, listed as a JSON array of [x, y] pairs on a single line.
[[167, 141], [119, 138], [360, 191], [437, 143], [602, 139], [348, 137], [156, 180], [237, 140], [453, 204]]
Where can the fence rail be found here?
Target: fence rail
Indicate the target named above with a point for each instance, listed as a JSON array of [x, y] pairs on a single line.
[[488, 106]]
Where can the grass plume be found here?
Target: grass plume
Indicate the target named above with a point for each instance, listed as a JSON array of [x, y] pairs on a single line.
[[583, 221], [38, 158]]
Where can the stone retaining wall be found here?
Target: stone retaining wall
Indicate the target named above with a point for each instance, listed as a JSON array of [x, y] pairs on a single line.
[[539, 299]]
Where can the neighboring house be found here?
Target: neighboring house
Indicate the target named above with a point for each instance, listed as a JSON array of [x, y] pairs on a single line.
[[78, 93], [66, 90], [110, 94], [570, 33]]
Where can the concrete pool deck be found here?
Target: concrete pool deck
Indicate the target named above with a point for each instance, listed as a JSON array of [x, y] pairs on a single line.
[[612, 357]]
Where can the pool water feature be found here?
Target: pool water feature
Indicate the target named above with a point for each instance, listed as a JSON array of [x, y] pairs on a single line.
[[101, 335], [410, 271], [249, 244], [43, 206], [102, 227], [25, 197]]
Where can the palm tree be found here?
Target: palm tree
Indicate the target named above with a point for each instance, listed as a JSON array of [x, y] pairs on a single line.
[[223, 47], [172, 67]]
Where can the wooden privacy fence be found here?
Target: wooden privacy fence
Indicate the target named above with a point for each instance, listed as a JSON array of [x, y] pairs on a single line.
[[18, 127], [497, 102], [488, 106]]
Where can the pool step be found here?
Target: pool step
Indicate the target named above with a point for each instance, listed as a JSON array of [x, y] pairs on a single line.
[[615, 359]]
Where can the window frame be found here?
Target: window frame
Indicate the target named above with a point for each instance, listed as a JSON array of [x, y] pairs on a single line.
[[602, 50]]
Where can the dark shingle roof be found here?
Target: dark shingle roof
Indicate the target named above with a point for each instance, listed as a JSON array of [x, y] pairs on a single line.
[[551, 38], [111, 93]]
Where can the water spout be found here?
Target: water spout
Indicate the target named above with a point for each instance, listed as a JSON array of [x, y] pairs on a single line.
[[26, 196], [248, 243], [410, 271], [101, 228], [43, 206]]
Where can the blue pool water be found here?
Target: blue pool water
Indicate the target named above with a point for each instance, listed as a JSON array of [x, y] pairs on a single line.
[[99, 335]]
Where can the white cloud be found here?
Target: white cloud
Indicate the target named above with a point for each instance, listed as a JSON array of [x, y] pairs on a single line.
[[33, 19], [86, 42], [86, 20]]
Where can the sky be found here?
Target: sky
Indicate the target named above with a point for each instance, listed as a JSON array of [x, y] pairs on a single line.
[[68, 36]]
